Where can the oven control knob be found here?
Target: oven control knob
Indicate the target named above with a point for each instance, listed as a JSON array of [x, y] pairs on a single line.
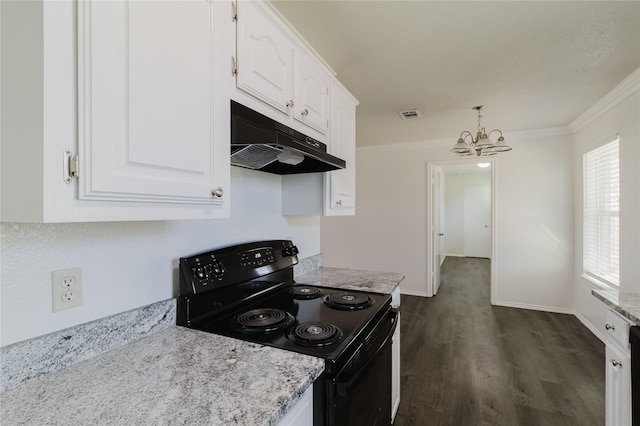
[[289, 251], [200, 273], [218, 269]]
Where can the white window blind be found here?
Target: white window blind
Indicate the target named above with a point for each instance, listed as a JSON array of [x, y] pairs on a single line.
[[601, 226]]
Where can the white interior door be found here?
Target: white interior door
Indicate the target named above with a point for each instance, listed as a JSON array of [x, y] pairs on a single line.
[[477, 221], [436, 227]]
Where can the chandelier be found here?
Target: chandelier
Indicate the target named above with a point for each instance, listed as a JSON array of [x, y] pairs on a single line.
[[481, 145]]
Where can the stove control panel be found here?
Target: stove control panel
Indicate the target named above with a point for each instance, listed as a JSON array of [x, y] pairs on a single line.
[[206, 268], [256, 258], [227, 266]]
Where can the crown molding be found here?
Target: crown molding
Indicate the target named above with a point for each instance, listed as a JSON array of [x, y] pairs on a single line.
[[622, 91], [433, 143]]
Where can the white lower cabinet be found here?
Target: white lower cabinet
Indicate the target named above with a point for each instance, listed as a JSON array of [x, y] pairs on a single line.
[[395, 371], [618, 387], [395, 357], [617, 371], [302, 413]]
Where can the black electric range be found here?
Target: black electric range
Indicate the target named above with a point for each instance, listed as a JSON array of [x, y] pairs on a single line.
[[247, 292]]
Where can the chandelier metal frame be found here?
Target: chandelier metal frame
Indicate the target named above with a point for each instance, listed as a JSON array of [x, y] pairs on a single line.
[[481, 145]]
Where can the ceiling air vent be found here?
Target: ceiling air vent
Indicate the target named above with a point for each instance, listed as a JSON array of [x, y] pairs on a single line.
[[410, 114]]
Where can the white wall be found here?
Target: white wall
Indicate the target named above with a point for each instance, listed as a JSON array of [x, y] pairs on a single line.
[[618, 112], [454, 203], [126, 265], [534, 231]]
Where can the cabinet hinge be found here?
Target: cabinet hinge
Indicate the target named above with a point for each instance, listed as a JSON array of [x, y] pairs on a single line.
[[234, 66], [234, 11], [70, 166]]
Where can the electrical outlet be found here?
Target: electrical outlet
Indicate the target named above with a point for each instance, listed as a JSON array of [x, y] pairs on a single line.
[[66, 289]]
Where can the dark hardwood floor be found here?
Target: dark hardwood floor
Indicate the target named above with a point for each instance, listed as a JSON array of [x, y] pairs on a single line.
[[465, 362]]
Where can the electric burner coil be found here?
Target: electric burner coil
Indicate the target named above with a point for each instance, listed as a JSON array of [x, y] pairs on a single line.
[[262, 320], [305, 292], [348, 301], [315, 334]]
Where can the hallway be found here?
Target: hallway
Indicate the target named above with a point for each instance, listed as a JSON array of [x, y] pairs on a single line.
[[465, 362]]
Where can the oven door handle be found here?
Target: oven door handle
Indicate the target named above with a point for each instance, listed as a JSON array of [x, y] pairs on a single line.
[[343, 386]]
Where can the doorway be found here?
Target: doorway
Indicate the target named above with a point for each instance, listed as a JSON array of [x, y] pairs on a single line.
[[461, 212]]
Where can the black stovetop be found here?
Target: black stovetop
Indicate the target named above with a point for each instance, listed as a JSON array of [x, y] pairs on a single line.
[[218, 285], [350, 322]]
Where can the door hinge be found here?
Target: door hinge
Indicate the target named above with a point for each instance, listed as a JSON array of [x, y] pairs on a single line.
[[234, 66], [234, 12], [70, 166]]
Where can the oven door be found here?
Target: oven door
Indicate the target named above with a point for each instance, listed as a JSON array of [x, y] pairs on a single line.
[[361, 393]]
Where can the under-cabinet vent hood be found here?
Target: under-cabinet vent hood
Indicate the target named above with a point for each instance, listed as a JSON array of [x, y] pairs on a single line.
[[260, 143]]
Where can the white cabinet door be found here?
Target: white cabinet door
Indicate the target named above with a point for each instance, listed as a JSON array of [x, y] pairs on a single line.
[[332, 193], [342, 183], [395, 371], [302, 413], [265, 58], [618, 387], [311, 103], [146, 98]]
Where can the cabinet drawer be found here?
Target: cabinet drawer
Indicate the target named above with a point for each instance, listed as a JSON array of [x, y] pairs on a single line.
[[617, 330]]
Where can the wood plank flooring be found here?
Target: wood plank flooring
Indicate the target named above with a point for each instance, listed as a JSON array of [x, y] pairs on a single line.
[[465, 362]]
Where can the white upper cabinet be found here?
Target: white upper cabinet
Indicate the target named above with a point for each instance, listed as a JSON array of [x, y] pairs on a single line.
[[136, 90], [311, 100], [341, 184], [332, 193], [146, 98], [277, 71], [265, 58]]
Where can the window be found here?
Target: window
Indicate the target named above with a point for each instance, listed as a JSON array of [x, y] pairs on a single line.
[[601, 226]]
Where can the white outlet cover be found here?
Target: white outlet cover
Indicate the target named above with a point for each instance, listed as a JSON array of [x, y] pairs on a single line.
[[66, 289]]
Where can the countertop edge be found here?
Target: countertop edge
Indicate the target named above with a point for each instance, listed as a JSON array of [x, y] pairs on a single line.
[[202, 377], [626, 304]]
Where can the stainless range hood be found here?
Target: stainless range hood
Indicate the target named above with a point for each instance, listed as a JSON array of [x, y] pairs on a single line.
[[261, 143]]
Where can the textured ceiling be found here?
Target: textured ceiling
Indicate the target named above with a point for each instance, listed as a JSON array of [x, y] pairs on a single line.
[[534, 64]]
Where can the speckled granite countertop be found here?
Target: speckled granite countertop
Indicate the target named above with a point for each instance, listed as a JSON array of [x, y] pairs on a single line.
[[352, 279], [627, 304], [137, 367], [175, 376]]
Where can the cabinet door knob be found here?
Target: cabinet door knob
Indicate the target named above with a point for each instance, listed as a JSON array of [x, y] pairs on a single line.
[[305, 112], [616, 363], [290, 104], [217, 192], [339, 202], [609, 327]]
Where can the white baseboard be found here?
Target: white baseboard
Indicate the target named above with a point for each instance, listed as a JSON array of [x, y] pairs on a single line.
[[414, 293], [553, 309], [453, 255], [590, 326]]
